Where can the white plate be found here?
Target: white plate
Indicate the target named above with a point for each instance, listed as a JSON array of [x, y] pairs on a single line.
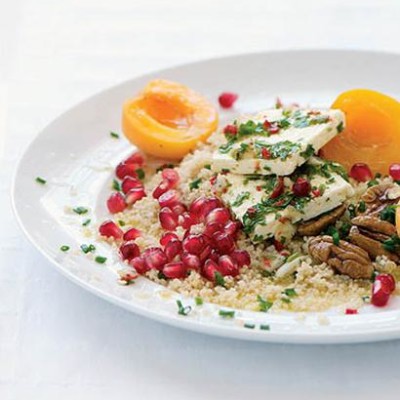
[[76, 154]]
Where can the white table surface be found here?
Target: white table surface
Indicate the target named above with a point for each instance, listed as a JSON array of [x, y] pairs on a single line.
[[58, 341]]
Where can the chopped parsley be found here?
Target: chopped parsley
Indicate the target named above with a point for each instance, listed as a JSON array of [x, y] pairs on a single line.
[[100, 259], [140, 173], [265, 327], [392, 244], [207, 166], [389, 214], [199, 301], [362, 206], [240, 199], [308, 152], [219, 279], [195, 184], [121, 223], [264, 304], [64, 248], [290, 292], [114, 135], [88, 248], [183, 310], [86, 223], [249, 326], [340, 127], [116, 186], [334, 233], [226, 313], [40, 180], [80, 210], [281, 150]]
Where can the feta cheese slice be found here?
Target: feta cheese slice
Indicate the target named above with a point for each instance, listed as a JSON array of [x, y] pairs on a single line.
[[249, 199], [255, 150]]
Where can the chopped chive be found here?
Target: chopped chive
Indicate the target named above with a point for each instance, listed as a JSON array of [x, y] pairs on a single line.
[[219, 279], [88, 248], [80, 210], [207, 166], [265, 327], [86, 223], [290, 292], [226, 314], [116, 186], [198, 300], [286, 300], [100, 259], [361, 206], [264, 304], [140, 173], [121, 223], [183, 310], [40, 180], [114, 135], [195, 184], [64, 248], [249, 326]]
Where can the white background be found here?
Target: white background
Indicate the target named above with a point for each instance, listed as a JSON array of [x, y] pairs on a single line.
[[59, 342]]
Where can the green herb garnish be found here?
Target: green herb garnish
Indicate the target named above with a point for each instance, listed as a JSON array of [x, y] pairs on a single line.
[[140, 173], [80, 210], [265, 327], [290, 292], [86, 223], [88, 248], [183, 310], [389, 214], [121, 223], [64, 248], [199, 301], [226, 313], [116, 186], [334, 233], [114, 135], [249, 326], [362, 206], [195, 184], [219, 279], [240, 199], [265, 305], [100, 259], [392, 244], [308, 152], [40, 180]]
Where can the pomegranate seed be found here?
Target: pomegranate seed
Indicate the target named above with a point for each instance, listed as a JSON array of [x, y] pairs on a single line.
[[219, 215], [169, 199], [242, 257], [175, 270], [187, 220], [380, 294], [139, 265], [223, 242], [265, 153], [166, 237], [116, 203], [154, 258], [388, 282], [171, 176], [191, 261], [135, 158], [266, 125], [194, 244], [130, 183], [279, 246], [230, 130], [213, 227], [163, 187], [351, 311], [360, 172], [123, 169], [214, 255], [173, 248], [205, 253], [168, 219], [316, 192], [232, 228], [132, 234], [209, 270], [203, 205], [227, 99], [278, 189], [274, 128], [129, 250], [227, 266], [179, 209], [301, 188], [135, 195], [394, 171], [110, 229]]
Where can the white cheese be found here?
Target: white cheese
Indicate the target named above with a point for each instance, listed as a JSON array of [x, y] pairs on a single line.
[[303, 133]]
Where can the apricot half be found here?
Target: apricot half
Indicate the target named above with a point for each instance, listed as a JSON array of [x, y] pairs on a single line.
[[168, 119], [372, 132]]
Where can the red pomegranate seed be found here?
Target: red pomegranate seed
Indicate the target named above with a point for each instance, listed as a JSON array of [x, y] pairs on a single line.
[[213, 227], [116, 203], [123, 169], [214, 255], [265, 153], [130, 183], [139, 265], [227, 266], [168, 219], [203, 205], [388, 282], [179, 209], [360, 172], [301, 188], [135, 195], [227, 99], [351, 311], [209, 270], [129, 250], [136, 158], [166, 237], [154, 258], [223, 242], [316, 192], [205, 253], [175, 270], [232, 228], [380, 294], [170, 175], [394, 171], [169, 199], [273, 129], [132, 234], [219, 215], [110, 229], [279, 246], [187, 220], [191, 261], [173, 248], [230, 130], [163, 187], [242, 257], [266, 125], [278, 189], [194, 244]]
